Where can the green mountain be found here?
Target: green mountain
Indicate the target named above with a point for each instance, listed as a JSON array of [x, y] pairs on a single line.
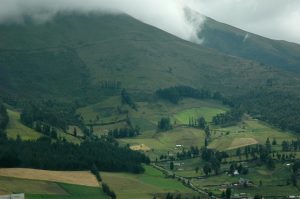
[[73, 54], [236, 42]]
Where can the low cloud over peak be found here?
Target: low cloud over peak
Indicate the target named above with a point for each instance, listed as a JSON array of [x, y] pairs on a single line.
[[276, 19]]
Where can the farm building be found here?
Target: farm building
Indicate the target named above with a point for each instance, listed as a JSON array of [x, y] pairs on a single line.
[[13, 196]]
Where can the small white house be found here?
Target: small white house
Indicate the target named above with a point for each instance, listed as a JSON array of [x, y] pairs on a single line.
[[236, 172]]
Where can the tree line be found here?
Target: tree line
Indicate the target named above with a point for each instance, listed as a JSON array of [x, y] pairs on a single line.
[[127, 99], [49, 112], [60, 155], [124, 132], [176, 93], [228, 118], [4, 119]]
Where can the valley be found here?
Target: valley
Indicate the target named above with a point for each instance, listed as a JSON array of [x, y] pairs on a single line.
[[106, 106]]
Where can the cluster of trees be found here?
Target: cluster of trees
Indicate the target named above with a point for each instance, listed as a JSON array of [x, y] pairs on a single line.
[[164, 124], [45, 129], [124, 132], [106, 189], [127, 99], [213, 160], [177, 93], [110, 84], [175, 196], [260, 153], [4, 119], [293, 145], [50, 112], [61, 155], [278, 108], [192, 152], [230, 117]]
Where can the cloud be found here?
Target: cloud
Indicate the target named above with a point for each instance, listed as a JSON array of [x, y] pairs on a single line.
[[276, 19], [168, 15]]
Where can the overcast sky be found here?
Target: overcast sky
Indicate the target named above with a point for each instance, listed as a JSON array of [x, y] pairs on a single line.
[[277, 19]]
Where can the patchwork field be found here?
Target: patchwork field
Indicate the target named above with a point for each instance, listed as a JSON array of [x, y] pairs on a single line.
[[71, 177], [274, 182], [143, 186], [39, 184], [14, 185], [163, 142], [248, 132], [74, 192], [36, 189]]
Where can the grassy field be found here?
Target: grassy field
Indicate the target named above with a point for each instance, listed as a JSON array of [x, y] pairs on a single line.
[[15, 185], [149, 114], [42, 187], [15, 128], [142, 186], [71, 177], [126, 186], [248, 132], [102, 112], [164, 142], [74, 192]]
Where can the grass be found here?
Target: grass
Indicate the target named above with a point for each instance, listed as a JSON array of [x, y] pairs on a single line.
[[71, 177], [186, 168], [15, 185], [248, 132], [74, 192], [142, 186], [102, 112], [15, 128], [164, 142], [149, 114], [37, 189]]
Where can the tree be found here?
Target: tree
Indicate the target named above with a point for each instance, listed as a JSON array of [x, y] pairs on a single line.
[[207, 169], [228, 193], [258, 196], [95, 171], [171, 165], [126, 99], [201, 123], [268, 145], [75, 132], [215, 164], [164, 124], [207, 131]]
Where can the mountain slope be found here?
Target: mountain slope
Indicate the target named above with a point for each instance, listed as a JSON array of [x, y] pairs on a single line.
[[233, 41], [75, 53]]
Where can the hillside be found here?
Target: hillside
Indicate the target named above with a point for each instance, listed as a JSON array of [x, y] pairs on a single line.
[[92, 49], [234, 41]]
